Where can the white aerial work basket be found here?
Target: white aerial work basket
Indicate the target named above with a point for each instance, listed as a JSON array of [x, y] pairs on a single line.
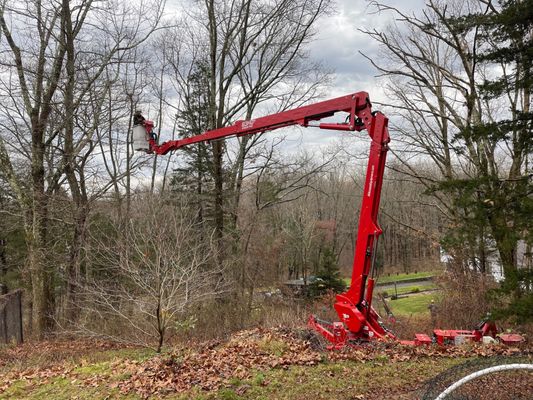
[[140, 138]]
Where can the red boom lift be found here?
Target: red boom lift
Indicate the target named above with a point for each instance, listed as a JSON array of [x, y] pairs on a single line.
[[359, 322]]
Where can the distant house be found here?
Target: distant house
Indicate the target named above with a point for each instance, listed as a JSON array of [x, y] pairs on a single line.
[[445, 258], [492, 260], [300, 287]]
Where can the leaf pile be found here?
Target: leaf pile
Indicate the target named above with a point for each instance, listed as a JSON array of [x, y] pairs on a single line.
[[395, 352], [53, 351], [213, 366], [45, 375], [41, 362]]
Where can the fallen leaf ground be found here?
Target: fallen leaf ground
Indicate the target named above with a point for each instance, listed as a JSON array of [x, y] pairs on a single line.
[[253, 364]]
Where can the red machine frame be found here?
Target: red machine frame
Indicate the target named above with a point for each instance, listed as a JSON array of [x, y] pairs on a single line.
[[359, 322]]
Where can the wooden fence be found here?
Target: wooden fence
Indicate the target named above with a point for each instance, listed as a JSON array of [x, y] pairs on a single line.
[[11, 317]]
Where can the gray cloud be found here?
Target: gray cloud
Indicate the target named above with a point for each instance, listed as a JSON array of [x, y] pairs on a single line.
[[339, 43]]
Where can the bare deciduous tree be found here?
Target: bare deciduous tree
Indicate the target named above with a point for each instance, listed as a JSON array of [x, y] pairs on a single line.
[[152, 272], [256, 53], [48, 60]]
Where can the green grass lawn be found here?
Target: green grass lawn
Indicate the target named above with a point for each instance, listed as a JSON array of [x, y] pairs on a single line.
[[414, 304]]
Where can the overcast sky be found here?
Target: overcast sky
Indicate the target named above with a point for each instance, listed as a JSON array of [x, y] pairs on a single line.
[[338, 44]]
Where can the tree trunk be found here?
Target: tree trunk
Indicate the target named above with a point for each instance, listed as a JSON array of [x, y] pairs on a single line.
[[41, 293], [506, 243], [219, 195], [74, 261]]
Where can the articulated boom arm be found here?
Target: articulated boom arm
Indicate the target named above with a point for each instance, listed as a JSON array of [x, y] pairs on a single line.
[[359, 321], [357, 105], [355, 306]]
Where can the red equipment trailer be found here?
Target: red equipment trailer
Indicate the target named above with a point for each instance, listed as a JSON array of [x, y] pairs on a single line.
[[359, 322]]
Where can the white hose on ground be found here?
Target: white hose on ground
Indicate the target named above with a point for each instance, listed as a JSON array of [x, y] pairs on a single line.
[[477, 374]]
